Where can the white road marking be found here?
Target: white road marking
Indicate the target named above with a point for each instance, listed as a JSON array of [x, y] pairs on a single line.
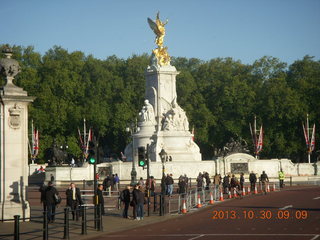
[[196, 237], [316, 198], [286, 207], [315, 237]]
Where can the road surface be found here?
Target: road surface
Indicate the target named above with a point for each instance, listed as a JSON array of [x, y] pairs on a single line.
[[288, 214]]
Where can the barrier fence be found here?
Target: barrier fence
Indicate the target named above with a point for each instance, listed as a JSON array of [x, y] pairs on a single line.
[[157, 204]]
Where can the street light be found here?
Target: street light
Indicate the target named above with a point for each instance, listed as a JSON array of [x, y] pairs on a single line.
[[132, 129], [163, 156]]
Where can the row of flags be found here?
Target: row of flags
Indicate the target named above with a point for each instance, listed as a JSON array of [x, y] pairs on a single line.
[[85, 139], [257, 138], [34, 148]]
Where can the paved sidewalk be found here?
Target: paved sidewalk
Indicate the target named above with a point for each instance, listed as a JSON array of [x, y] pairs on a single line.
[[113, 222]]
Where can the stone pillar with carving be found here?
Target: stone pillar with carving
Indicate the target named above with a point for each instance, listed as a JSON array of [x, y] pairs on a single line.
[[13, 142]]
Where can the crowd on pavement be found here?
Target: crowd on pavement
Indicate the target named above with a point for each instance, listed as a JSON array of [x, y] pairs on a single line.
[[135, 196]]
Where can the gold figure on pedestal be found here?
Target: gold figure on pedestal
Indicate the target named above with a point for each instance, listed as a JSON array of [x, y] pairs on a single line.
[[158, 28]]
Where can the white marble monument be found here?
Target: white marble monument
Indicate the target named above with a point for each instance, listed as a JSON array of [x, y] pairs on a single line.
[[13, 143]]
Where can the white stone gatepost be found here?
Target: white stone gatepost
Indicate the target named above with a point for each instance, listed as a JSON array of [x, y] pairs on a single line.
[[13, 143]]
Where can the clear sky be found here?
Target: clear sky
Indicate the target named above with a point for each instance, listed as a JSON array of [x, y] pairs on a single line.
[[245, 30]]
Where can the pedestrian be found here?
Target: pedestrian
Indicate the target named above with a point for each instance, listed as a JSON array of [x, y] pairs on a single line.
[[281, 178], [152, 183], [264, 180], [107, 184], [74, 200], [253, 180], [226, 184], [133, 202], [50, 201], [241, 181], [42, 191], [141, 182], [139, 200], [112, 182], [100, 200], [169, 184], [52, 178], [125, 198], [208, 181], [217, 182], [116, 182], [199, 181], [182, 187]]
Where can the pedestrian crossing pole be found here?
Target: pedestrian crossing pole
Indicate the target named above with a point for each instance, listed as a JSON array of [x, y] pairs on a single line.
[[149, 180]]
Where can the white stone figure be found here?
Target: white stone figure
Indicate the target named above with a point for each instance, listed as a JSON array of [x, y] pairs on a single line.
[[168, 124], [147, 112]]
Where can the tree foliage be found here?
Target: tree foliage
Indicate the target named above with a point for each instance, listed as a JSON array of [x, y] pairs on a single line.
[[220, 97]]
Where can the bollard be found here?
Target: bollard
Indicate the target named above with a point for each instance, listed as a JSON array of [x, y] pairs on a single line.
[[45, 226], [66, 224], [99, 218], [84, 221], [95, 216], [154, 202], [16, 227], [290, 181]]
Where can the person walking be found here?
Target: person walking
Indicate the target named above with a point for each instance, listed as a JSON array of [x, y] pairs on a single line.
[[264, 180], [217, 183], [253, 180], [139, 200], [74, 200], [226, 184], [50, 201], [107, 184], [125, 198], [169, 183], [182, 187], [42, 191], [199, 182], [281, 178], [241, 181], [100, 200]]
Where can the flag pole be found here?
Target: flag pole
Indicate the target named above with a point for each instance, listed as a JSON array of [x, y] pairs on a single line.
[[308, 135], [255, 136]]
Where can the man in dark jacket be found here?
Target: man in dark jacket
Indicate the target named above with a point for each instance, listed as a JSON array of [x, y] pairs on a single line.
[[50, 201], [125, 198], [182, 187], [253, 180], [169, 184], [100, 200], [42, 190], [74, 200], [107, 184], [138, 200]]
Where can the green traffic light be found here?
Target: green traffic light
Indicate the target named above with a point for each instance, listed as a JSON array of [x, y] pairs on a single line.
[[92, 160], [142, 163]]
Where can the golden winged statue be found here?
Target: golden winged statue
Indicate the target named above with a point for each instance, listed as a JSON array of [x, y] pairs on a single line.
[[160, 52]]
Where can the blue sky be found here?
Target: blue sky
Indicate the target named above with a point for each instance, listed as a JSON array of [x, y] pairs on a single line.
[[244, 30]]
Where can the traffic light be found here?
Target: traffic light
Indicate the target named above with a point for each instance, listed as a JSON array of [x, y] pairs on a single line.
[[91, 153], [142, 156]]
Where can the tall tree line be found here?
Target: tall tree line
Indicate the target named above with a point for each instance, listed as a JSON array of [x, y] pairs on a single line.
[[220, 97]]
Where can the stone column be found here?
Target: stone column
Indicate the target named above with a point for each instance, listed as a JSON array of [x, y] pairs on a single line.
[[13, 143]]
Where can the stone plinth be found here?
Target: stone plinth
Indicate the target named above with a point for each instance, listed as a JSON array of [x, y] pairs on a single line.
[[13, 142], [14, 155]]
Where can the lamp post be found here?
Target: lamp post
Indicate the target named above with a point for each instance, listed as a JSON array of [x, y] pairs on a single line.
[[163, 156], [132, 129]]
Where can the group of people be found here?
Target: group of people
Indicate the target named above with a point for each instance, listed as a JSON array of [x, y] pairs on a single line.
[[111, 183], [50, 198], [135, 199]]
